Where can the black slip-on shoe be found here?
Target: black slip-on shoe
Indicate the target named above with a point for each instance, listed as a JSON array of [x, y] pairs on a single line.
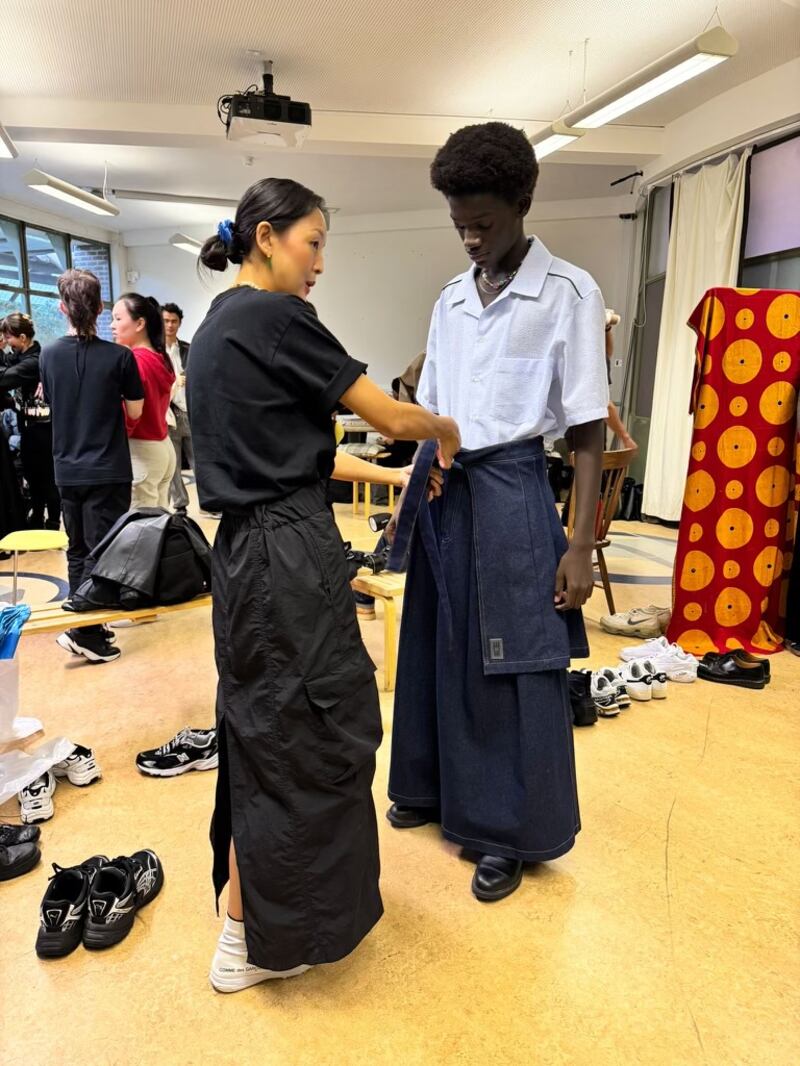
[[18, 859], [726, 670], [495, 878], [411, 817]]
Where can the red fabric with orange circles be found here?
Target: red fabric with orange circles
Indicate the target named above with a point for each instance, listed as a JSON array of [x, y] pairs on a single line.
[[737, 526]]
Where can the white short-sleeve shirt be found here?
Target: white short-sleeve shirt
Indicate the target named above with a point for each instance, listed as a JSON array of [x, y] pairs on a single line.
[[530, 364]]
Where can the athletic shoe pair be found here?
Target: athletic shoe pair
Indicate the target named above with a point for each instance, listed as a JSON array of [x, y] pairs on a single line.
[[36, 799], [666, 658], [643, 681], [609, 692], [191, 749], [96, 902], [640, 622]]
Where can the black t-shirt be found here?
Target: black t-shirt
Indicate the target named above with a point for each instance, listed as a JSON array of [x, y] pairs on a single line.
[[85, 382], [265, 376]]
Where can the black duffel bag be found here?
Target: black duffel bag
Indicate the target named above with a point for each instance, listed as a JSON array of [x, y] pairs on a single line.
[[148, 558]]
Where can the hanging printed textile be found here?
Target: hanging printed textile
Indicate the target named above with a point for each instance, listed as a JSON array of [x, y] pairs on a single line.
[[736, 535]]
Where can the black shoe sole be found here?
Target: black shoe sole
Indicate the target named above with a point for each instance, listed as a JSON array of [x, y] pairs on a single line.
[[496, 894], [417, 823], [56, 945], [21, 868], [739, 683], [97, 936]]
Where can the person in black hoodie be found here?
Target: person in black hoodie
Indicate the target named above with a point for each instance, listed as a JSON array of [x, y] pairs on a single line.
[[20, 371]]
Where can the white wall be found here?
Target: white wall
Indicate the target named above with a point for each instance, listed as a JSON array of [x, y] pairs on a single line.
[[384, 273]]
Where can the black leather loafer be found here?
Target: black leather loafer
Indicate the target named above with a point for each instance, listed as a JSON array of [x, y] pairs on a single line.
[[743, 658], [411, 817], [727, 670], [496, 878]]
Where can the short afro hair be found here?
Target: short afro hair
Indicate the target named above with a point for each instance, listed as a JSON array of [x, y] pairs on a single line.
[[490, 158]]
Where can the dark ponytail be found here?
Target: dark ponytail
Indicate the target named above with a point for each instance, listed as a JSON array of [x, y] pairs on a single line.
[[148, 308], [279, 201], [81, 295]]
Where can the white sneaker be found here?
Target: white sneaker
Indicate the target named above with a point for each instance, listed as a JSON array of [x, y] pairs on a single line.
[[676, 663], [80, 768], [638, 682], [640, 622], [649, 650], [604, 695], [658, 679], [618, 681], [36, 800], [230, 970]]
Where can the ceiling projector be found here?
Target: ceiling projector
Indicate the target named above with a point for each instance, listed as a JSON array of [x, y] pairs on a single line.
[[264, 117]]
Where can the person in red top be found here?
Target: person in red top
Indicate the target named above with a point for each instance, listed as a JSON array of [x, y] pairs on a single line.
[[137, 323]]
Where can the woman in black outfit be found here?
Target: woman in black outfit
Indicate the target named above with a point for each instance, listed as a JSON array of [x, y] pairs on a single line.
[[294, 828], [20, 371]]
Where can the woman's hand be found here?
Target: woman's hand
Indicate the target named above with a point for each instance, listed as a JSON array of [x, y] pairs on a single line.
[[574, 578], [435, 480], [449, 439]]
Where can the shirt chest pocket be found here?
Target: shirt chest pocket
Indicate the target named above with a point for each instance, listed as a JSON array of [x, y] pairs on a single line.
[[520, 390]]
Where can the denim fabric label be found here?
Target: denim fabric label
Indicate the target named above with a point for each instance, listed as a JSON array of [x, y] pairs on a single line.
[[496, 648]]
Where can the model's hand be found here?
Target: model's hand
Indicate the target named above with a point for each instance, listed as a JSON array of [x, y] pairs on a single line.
[[629, 442], [449, 442], [574, 578]]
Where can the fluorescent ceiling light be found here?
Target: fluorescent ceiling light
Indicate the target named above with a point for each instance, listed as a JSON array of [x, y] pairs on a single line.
[[8, 150], [688, 61], [188, 244], [555, 136], [173, 198], [70, 194]]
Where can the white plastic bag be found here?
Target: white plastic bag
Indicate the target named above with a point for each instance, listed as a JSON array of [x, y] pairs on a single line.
[[19, 768], [9, 697]]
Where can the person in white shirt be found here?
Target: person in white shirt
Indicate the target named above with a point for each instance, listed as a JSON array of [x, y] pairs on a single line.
[[482, 738], [177, 417]]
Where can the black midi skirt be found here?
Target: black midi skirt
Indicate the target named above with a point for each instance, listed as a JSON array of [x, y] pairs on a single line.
[[299, 724]]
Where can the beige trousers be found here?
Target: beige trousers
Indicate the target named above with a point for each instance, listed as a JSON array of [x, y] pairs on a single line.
[[153, 463]]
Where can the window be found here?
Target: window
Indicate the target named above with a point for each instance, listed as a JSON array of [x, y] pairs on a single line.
[[648, 323], [771, 241], [31, 260]]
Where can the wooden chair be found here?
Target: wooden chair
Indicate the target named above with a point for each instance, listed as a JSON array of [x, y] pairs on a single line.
[[615, 467]]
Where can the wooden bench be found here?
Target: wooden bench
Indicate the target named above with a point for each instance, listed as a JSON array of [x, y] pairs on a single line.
[[50, 618], [387, 587]]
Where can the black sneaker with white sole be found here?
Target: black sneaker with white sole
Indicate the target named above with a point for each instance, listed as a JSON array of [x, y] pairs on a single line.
[[191, 749], [91, 645], [121, 887], [62, 913]]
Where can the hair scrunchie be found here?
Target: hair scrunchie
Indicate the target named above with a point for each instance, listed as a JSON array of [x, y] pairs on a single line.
[[225, 232]]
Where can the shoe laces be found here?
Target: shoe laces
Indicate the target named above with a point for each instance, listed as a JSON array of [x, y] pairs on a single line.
[[179, 739]]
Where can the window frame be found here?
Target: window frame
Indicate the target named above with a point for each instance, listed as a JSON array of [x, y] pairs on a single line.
[[25, 290]]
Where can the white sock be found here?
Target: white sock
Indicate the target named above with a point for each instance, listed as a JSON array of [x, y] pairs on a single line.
[[230, 970]]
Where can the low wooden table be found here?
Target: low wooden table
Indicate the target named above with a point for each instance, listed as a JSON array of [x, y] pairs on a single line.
[[51, 618]]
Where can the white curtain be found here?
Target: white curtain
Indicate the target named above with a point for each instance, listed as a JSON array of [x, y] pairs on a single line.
[[705, 236]]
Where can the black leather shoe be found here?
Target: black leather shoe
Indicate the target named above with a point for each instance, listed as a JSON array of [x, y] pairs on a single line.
[[18, 834], [17, 860], [496, 878], [743, 658], [584, 710], [411, 817], [728, 670]]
